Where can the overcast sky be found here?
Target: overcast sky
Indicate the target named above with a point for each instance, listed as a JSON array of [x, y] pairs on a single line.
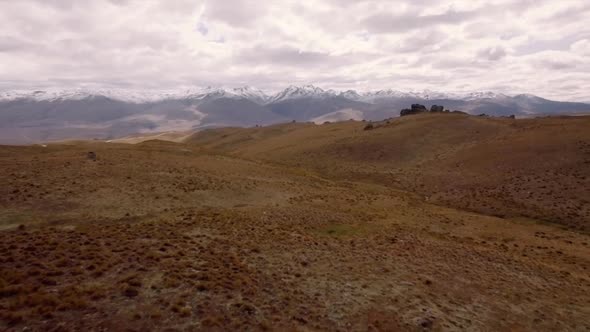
[[512, 46]]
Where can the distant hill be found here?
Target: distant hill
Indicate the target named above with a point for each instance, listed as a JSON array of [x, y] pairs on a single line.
[[45, 115]]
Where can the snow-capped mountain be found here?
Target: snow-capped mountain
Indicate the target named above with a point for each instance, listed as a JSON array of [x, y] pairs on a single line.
[[134, 95], [246, 92], [351, 94], [252, 94], [482, 95], [373, 96], [28, 116], [126, 95], [295, 92]]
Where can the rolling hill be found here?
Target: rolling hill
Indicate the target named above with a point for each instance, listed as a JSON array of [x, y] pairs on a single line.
[[427, 222], [537, 168]]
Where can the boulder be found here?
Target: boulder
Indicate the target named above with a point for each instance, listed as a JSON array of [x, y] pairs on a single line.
[[416, 109], [91, 156], [436, 108], [406, 111]]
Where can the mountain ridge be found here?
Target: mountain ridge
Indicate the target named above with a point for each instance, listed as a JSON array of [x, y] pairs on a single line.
[[32, 116], [247, 92]]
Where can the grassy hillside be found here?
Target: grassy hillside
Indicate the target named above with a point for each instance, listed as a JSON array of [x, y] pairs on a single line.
[[298, 227], [537, 168]]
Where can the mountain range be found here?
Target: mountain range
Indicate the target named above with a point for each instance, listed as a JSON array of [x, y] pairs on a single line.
[[32, 116]]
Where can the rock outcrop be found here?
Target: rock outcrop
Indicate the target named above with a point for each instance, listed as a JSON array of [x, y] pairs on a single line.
[[436, 108], [416, 109]]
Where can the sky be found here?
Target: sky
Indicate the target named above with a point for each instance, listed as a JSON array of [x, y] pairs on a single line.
[[540, 47]]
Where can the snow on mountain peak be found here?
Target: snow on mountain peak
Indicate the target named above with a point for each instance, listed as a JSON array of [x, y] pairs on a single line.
[[529, 97], [251, 93], [371, 96], [132, 96], [350, 94], [295, 92], [481, 95], [244, 92]]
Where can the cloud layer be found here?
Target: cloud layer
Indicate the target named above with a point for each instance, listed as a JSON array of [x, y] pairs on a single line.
[[510, 46]]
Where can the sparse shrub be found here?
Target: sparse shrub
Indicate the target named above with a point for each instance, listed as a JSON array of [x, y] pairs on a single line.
[[12, 318], [10, 290], [130, 291], [185, 311]]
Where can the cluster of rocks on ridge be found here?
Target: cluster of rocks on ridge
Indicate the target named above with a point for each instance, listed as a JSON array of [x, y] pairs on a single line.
[[417, 109]]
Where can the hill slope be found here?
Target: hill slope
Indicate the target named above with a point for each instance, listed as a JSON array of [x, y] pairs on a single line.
[[537, 168], [300, 227]]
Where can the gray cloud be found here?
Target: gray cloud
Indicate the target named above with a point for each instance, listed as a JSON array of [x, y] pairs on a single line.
[[12, 44], [388, 23], [493, 53], [282, 56], [422, 42], [288, 56], [236, 13]]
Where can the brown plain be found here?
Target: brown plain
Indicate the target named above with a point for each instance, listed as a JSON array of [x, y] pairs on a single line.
[[436, 221]]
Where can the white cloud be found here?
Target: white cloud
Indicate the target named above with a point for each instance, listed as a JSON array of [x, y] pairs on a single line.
[[512, 46], [581, 47], [493, 53]]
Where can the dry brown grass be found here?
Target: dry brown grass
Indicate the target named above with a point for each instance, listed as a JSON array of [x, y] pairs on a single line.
[[301, 227], [535, 168]]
